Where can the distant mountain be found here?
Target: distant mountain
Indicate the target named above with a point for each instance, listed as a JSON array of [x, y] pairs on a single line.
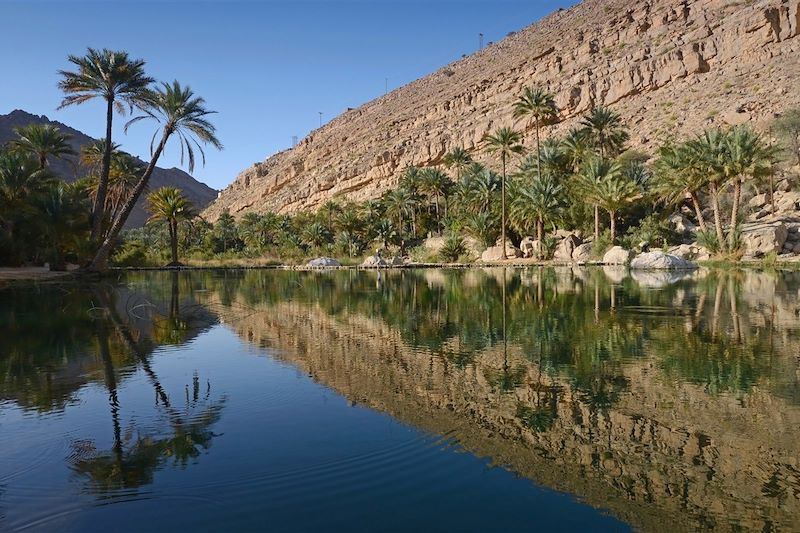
[[199, 193]]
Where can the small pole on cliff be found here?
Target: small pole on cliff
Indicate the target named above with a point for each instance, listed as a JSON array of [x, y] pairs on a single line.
[[480, 41], [385, 86], [320, 118], [294, 141]]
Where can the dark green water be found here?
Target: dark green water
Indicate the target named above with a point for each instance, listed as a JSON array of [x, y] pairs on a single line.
[[516, 400]]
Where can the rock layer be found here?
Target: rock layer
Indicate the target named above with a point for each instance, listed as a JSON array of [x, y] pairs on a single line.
[[669, 67]]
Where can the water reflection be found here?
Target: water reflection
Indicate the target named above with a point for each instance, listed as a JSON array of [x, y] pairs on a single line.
[[659, 397]]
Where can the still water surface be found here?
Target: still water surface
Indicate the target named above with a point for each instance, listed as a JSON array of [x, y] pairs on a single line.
[[502, 400]]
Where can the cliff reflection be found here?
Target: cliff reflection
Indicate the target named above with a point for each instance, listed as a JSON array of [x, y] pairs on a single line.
[[673, 401]]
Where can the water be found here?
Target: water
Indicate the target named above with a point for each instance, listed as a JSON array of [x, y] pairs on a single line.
[[480, 400]]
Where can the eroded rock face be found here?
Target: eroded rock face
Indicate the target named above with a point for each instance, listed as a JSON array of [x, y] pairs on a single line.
[[761, 239], [666, 66], [658, 260], [566, 247]]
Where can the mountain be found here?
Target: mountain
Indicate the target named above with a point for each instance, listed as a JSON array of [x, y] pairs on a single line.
[[669, 67], [199, 193]]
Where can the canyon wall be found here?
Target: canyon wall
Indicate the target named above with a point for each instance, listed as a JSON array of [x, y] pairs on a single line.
[[669, 67]]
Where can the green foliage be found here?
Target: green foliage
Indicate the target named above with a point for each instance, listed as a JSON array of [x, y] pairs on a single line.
[[602, 245], [452, 249], [651, 230]]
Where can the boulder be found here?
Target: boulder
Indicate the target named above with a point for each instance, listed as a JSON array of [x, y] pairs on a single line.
[[374, 261], [689, 251], [494, 253], [529, 247], [323, 262], [682, 225], [758, 201], [617, 255], [761, 239], [566, 247], [659, 260], [582, 252], [397, 260]]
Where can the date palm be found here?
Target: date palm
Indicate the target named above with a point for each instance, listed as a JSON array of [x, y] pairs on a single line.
[[181, 114], [316, 234], [168, 204], [42, 141], [117, 79], [605, 184], [539, 106], [535, 202], [604, 130], [435, 184], [506, 143], [591, 184], [400, 205], [748, 156], [708, 152], [677, 176], [458, 159], [92, 154]]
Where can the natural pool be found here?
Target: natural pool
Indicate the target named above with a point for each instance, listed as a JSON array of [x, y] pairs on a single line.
[[488, 400]]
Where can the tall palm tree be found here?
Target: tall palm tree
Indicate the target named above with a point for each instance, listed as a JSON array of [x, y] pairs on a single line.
[[476, 192], [591, 184], [331, 208], [459, 159], [182, 114], [748, 156], [603, 130], [169, 205], [436, 185], [506, 143], [399, 204], [575, 148], [534, 203], [116, 78], [540, 106], [42, 141], [709, 153], [677, 176], [613, 193]]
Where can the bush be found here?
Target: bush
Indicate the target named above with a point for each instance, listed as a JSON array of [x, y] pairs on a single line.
[[708, 239], [452, 249], [131, 254], [602, 245], [651, 230]]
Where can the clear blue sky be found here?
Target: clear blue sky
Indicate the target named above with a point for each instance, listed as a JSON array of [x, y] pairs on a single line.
[[267, 67]]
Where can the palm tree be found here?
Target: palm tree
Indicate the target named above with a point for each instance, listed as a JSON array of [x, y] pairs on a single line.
[[399, 204], [169, 205], [540, 106], [575, 147], [605, 183], [316, 234], [181, 113], [435, 184], [677, 176], [92, 154], [116, 78], [505, 142], [459, 159], [331, 208], [604, 131], [708, 153], [42, 141], [385, 233], [591, 180], [63, 219], [476, 192], [534, 203], [748, 156]]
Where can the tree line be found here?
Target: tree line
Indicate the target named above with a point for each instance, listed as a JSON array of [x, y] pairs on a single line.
[[44, 219]]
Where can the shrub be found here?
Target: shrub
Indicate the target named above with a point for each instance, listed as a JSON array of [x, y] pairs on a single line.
[[602, 245], [452, 249], [131, 254]]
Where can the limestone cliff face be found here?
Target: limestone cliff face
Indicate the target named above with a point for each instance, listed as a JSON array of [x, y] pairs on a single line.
[[670, 67]]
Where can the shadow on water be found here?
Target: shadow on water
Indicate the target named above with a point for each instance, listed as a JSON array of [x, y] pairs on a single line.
[[665, 398]]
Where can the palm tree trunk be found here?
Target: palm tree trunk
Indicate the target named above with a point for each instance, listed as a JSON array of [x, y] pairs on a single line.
[[596, 223], [717, 218], [173, 235], [503, 209], [540, 238], [42, 161], [613, 216], [100, 261], [698, 211], [737, 195], [538, 150], [102, 185]]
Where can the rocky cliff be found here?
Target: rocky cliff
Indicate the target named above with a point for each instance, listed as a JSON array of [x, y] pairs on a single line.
[[199, 193], [670, 67]]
